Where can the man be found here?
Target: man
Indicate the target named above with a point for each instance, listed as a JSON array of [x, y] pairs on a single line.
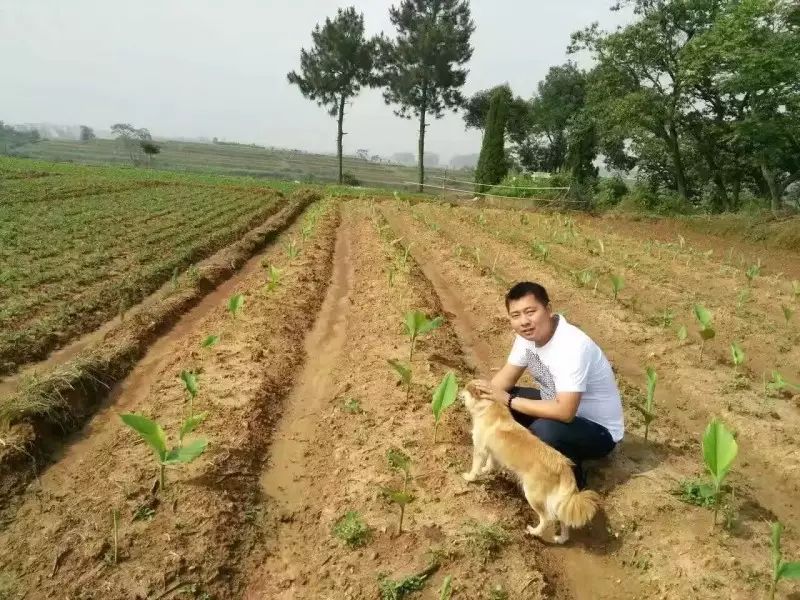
[[577, 409]]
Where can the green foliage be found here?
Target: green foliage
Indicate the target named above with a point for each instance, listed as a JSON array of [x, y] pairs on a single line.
[[541, 251], [235, 304], [737, 355], [192, 386], [617, 285], [210, 341], [492, 165], [338, 65], [530, 186], [719, 451], [425, 77], [152, 433], [273, 278], [401, 462], [707, 332], [486, 539], [351, 529], [292, 249], [443, 397], [778, 384], [352, 406], [405, 373], [648, 409], [415, 324], [398, 590], [752, 272], [697, 493], [781, 569], [610, 190], [787, 314], [446, 591]]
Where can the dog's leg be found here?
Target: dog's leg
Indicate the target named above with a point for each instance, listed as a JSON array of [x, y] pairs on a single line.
[[479, 457], [489, 465], [564, 535], [540, 512]]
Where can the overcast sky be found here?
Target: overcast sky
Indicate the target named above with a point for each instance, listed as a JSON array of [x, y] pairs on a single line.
[[213, 68]]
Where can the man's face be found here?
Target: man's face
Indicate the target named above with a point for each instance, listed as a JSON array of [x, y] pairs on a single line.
[[530, 319]]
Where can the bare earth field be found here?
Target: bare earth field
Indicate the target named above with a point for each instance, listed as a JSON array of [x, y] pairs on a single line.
[[303, 408]]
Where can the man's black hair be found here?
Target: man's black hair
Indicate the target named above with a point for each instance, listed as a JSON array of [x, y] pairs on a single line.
[[527, 288]]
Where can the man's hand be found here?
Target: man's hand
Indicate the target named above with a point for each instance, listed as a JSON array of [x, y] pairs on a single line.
[[487, 392]]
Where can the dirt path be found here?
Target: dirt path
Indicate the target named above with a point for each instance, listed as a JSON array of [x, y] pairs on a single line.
[[193, 536], [577, 568]]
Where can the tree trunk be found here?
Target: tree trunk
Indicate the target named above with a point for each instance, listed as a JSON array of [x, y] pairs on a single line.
[[422, 111], [774, 188], [339, 136], [677, 162]]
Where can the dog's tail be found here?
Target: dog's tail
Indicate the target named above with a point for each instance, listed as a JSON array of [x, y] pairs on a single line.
[[576, 508]]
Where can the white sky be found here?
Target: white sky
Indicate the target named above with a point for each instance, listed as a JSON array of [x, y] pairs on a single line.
[[213, 68]]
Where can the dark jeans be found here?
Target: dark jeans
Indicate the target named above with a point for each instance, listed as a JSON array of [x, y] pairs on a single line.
[[579, 440]]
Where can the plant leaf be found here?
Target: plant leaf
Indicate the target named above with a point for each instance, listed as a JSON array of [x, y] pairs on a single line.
[[789, 570], [192, 423], [447, 588], [402, 370], [430, 325], [719, 449], [652, 379], [702, 314], [399, 497], [775, 543], [149, 430], [737, 353], [235, 304], [190, 381], [210, 341], [187, 453], [682, 333], [398, 460], [444, 395]]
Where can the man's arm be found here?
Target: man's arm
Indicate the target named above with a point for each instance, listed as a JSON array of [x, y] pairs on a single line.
[[507, 377], [562, 408]]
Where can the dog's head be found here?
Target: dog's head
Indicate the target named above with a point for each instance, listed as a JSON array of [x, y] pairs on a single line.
[[469, 396]]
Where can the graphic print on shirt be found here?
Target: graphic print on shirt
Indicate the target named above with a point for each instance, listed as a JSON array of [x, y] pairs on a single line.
[[541, 374]]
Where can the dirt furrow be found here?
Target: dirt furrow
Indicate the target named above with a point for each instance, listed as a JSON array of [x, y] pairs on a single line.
[[191, 537]]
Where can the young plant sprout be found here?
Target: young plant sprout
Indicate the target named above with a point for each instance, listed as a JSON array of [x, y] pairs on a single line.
[[152, 433], [719, 451], [707, 332], [752, 272], [190, 382], [273, 278], [399, 461], [292, 249], [647, 409], [404, 373], [416, 324], [617, 284], [209, 341], [541, 251], [738, 356], [443, 397], [235, 304], [787, 314], [796, 289], [781, 569]]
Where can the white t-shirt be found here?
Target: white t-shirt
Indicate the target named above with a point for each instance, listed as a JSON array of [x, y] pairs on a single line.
[[572, 362]]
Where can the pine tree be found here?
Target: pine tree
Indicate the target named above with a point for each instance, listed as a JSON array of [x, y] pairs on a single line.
[[337, 67], [492, 164], [420, 69]]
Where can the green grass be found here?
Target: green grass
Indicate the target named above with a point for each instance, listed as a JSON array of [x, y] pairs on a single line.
[[351, 529]]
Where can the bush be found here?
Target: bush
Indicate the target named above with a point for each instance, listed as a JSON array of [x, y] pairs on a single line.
[[513, 185], [610, 191], [350, 179]]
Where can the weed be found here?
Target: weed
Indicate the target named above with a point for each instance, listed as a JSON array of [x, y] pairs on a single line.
[[152, 433], [210, 341], [446, 591], [352, 406], [780, 568], [352, 530], [443, 397], [398, 590], [486, 539]]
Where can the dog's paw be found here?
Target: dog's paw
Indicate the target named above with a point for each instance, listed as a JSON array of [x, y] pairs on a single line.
[[469, 477], [560, 539], [534, 531]]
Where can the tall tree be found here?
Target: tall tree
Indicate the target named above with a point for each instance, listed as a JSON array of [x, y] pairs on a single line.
[[338, 65], [132, 139], [492, 165], [421, 68], [87, 133]]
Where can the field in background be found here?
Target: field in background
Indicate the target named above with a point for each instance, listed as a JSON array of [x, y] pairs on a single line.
[[233, 159]]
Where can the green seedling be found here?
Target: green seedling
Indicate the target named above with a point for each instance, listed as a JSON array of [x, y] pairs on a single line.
[[617, 284], [683, 333], [443, 397], [401, 462], [787, 314], [486, 539], [446, 591], [647, 409], [292, 249], [719, 451], [399, 590], [235, 304], [541, 251], [796, 290], [192, 386], [781, 569], [707, 332], [737, 355], [752, 272], [404, 373], [742, 298], [152, 433], [481, 218], [351, 529], [584, 277], [778, 384], [210, 341], [416, 324], [352, 406], [273, 278]]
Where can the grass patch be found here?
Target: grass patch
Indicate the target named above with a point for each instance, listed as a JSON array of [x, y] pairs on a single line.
[[352, 530]]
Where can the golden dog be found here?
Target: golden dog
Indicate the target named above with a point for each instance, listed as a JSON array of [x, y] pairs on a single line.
[[545, 474]]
